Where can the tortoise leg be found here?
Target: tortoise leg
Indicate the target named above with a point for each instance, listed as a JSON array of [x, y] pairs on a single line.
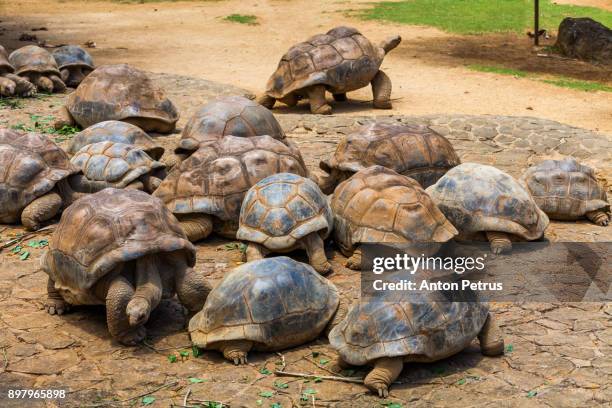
[[74, 78], [40, 210], [255, 251], [7, 87], [150, 182], [136, 185], [191, 287], [500, 241], [315, 247], [318, 104], [385, 371], [236, 350], [266, 101], [341, 97], [490, 338], [23, 87], [55, 303], [196, 226], [82, 184], [43, 84], [326, 181], [340, 314], [148, 291], [598, 217], [354, 261], [58, 84], [381, 89], [64, 119], [118, 295]]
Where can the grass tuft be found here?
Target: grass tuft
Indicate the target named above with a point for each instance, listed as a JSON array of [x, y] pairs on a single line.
[[480, 16], [587, 86], [242, 19], [498, 70]]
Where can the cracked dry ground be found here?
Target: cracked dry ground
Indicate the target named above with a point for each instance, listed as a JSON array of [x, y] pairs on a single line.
[[560, 353]]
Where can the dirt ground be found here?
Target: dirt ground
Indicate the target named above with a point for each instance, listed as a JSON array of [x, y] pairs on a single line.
[[428, 69]]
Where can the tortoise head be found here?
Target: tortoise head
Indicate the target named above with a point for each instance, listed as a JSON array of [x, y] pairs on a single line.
[[138, 310], [390, 43]]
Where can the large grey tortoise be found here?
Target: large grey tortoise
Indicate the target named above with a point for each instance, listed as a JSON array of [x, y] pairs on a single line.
[[379, 206], [284, 212], [414, 151], [119, 165], [206, 191], [74, 64], [480, 199], [34, 172], [37, 65], [389, 329], [116, 131], [10, 83], [227, 115], [125, 250], [119, 92], [340, 61], [567, 190], [266, 305]]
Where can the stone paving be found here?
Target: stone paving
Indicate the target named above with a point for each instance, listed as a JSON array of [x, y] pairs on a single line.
[[558, 355]]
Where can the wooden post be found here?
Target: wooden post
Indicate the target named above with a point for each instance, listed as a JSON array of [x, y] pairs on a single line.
[[536, 22]]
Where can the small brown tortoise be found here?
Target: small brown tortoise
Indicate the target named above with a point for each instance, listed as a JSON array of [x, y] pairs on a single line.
[[119, 92], [74, 64], [379, 206], [37, 66], [480, 199], [34, 174], [340, 61], [125, 250], [284, 212], [266, 305], [10, 83], [227, 115], [206, 190], [567, 190], [392, 328], [414, 151], [118, 165], [116, 131]]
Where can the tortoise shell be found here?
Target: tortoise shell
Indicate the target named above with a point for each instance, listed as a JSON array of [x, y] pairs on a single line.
[[378, 205], [342, 59], [31, 165], [33, 59], [414, 151], [116, 163], [216, 177], [281, 209], [121, 92], [275, 303], [116, 131], [479, 198], [565, 189], [228, 115], [418, 327], [103, 230], [5, 65], [72, 56]]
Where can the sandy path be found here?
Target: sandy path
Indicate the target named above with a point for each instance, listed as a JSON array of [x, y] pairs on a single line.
[[604, 4], [192, 39]]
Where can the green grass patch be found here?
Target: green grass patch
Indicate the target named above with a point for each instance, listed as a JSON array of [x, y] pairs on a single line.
[[480, 16], [563, 82], [498, 70], [242, 19], [587, 86], [10, 103]]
